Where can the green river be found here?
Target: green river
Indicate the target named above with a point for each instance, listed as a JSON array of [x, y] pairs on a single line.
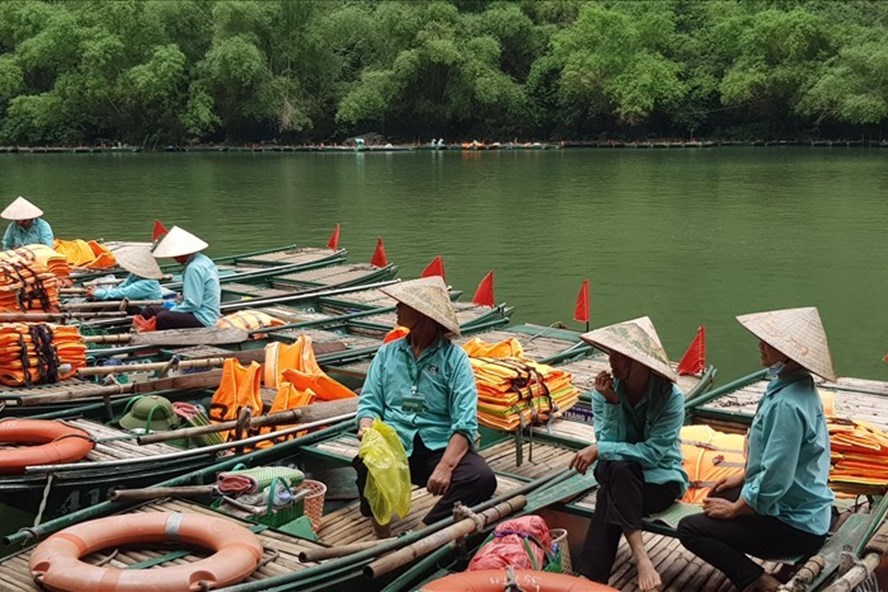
[[689, 237]]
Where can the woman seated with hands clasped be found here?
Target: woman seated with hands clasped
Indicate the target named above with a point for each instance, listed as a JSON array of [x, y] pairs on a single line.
[[781, 505], [638, 413]]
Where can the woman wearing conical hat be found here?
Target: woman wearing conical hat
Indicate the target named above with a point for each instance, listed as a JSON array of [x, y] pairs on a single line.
[[27, 227], [781, 506], [141, 283], [638, 413], [422, 385], [201, 292]]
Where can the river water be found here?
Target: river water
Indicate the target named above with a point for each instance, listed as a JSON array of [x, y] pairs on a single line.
[[690, 237]]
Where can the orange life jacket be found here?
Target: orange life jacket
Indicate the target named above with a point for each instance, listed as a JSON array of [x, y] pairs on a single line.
[[238, 388]]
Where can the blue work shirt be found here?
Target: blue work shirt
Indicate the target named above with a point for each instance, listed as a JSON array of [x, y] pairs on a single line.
[[647, 433], [445, 393], [201, 293], [39, 233], [132, 288], [788, 465]]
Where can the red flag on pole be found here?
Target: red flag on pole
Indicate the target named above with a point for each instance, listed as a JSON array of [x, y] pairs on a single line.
[[694, 359], [379, 259], [159, 231], [436, 267], [484, 294], [333, 243], [583, 307]]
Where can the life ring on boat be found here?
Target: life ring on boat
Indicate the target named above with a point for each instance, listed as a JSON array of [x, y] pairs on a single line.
[[56, 565], [494, 580], [56, 442]]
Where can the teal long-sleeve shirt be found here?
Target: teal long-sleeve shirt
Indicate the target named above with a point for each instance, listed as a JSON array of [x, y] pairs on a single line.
[[446, 399], [647, 433], [131, 288], [40, 232], [201, 293], [788, 465]]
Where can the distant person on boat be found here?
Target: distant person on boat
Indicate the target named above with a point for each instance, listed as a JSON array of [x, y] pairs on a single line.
[[423, 386], [781, 505], [638, 413], [141, 283], [201, 293], [27, 227]]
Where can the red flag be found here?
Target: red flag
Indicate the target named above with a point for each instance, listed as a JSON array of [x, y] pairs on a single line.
[[484, 294], [694, 359], [379, 259], [436, 267], [333, 243], [583, 307], [159, 230]]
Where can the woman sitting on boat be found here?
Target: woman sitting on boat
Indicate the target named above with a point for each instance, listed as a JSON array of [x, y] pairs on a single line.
[[141, 283], [201, 293], [423, 386], [782, 505], [27, 227], [638, 413]]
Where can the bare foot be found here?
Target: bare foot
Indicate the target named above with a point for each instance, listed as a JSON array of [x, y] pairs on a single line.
[[382, 531], [648, 578]]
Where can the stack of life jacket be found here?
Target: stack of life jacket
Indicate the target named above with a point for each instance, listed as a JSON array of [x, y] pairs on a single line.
[[26, 284], [859, 453], [513, 390], [39, 353], [45, 256], [88, 255]]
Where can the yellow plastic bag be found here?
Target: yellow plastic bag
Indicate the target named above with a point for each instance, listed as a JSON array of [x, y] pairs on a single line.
[[388, 480]]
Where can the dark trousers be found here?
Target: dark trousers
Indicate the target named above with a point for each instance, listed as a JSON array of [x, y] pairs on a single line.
[[623, 499], [725, 543], [170, 319], [472, 481]]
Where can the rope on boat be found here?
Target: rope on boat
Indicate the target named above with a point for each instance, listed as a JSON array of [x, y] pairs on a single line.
[[39, 517]]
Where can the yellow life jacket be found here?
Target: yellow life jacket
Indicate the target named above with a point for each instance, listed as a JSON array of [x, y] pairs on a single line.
[[87, 254], [248, 320]]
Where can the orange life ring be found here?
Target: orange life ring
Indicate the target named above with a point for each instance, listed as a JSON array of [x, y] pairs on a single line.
[[56, 443], [56, 565], [493, 580]]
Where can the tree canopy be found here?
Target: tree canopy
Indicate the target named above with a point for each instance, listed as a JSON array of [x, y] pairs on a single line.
[[155, 72]]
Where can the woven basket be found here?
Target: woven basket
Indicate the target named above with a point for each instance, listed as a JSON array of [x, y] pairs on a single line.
[[314, 501], [562, 562]]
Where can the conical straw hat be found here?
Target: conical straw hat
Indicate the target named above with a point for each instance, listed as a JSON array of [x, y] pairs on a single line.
[[797, 333], [427, 296], [636, 339], [138, 261], [21, 209], [178, 242]]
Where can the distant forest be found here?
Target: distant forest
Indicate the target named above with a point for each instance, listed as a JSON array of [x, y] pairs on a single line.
[[157, 72]]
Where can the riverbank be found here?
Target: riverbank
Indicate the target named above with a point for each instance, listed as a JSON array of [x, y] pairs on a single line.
[[468, 147]]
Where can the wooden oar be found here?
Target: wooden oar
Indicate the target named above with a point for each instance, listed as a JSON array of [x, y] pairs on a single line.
[[49, 317], [322, 553], [110, 304], [149, 366], [196, 336], [153, 493], [305, 414]]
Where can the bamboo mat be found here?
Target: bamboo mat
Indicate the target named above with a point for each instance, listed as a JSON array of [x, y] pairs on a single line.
[[281, 550], [585, 370], [118, 449], [289, 257], [254, 291], [856, 398], [546, 459], [466, 312], [347, 525], [325, 276]]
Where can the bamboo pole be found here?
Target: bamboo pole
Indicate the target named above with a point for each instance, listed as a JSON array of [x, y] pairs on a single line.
[[100, 304], [148, 366], [805, 575], [153, 493], [857, 574], [324, 553], [48, 317], [104, 464], [426, 545], [310, 413]]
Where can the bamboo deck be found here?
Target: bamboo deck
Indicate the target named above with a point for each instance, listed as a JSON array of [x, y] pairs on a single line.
[[333, 275], [857, 398], [117, 449], [365, 299], [466, 314], [240, 289], [288, 257]]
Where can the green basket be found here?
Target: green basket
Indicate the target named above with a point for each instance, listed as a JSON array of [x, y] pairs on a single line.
[[273, 516]]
